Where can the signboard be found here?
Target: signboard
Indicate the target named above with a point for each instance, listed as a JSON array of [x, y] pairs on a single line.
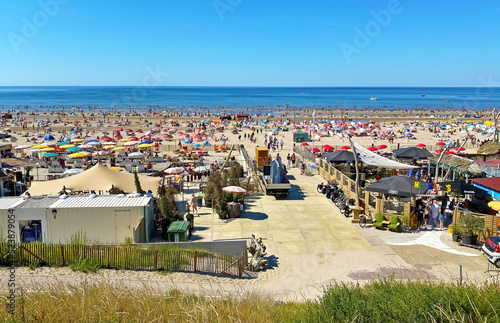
[[393, 192]]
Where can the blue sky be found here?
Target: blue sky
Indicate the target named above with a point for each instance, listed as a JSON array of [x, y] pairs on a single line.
[[249, 42]]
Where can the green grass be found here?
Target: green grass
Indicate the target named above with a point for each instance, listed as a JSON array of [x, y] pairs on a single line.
[[378, 301], [85, 265]]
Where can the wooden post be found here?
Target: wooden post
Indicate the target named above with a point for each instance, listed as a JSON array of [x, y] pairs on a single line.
[[62, 256], [195, 260], [357, 170], [156, 260]]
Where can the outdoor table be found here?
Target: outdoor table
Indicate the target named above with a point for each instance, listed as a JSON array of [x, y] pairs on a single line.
[[356, 210]]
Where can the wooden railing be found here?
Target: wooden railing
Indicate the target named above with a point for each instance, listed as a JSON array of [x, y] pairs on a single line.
[[123, 257]]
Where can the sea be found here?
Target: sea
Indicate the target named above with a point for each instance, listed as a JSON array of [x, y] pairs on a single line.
[[240, 99]]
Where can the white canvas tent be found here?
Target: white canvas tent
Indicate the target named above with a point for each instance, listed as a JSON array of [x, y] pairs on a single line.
[[372, 159], [97, 178]]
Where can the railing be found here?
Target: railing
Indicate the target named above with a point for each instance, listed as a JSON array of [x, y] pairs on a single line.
[[123, 257]]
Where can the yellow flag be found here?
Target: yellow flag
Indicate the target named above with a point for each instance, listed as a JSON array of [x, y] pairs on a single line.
[[417, 185]]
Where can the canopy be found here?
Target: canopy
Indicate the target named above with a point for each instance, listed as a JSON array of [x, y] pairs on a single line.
[[373, 159], [462, 188], [411, 152], [342, 156], [86, 181], [399, 185]]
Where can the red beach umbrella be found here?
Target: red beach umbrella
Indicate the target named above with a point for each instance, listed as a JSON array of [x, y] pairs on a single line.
[[439, 152], [451, 152], [327, 147], [382, 147], [421, 145], [461, 148], [133, 138], [118, 137], [440, 143], [119, 129], [372, 148], [315, 150], [139, 131], [345, 147], [106, 139], [304, 144]]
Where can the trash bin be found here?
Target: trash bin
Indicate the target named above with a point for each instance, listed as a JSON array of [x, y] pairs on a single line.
[[178, 231], [199, 202], [234, 210]]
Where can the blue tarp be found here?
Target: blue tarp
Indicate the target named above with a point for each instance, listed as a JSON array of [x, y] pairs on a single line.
[[277, 172]]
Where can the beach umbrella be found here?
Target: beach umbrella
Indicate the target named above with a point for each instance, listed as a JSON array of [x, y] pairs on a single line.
[[315, 150], [381, 147], [136, 155], [411, 152], [73, 171], [495, 205], [118, 129], [440, 143], [78, 155], [339, 156], [94, 143], [234, 189], [100, 153], [48, 137], [146, 142], [77, 140], [421, 145], [131, 143], [145, 146], [21, 147], [462, 188], [48, 149], [49, 154], [439, 152], [345, 147], [201, 169], [304, 144], [86, 146], [196, 145], [40, 146], [174, 170], [139, 131], [399, 186], [35, 150], [372, 148], [62, 143], [328, 147], [206, 143], [92, 140], [66, 146], [124, 139], [74, 148], [461, 148], [119, 148], [105, 139]]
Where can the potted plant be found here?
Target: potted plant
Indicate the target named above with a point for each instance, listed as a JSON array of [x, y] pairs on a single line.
[[455, 232], [469, 225]]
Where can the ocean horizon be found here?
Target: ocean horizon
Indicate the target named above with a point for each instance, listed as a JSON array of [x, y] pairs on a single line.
[[240, 98]]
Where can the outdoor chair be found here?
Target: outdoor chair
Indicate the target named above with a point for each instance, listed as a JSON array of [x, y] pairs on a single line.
[[394, 225], [223, 148], [216, 149], [379, 221]]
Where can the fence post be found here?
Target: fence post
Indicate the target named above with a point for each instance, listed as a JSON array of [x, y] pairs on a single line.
[[62, 256], [156, 259], [195, 260], [20, 255]]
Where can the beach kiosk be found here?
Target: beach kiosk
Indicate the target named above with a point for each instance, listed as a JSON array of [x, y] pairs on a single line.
[[300, 137], [261, 156], [178, 231]]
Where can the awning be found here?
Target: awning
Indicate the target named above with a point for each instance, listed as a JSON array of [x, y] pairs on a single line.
[[372, 159]]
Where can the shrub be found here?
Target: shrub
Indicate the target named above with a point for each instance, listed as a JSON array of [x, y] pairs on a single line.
[[85, 265]]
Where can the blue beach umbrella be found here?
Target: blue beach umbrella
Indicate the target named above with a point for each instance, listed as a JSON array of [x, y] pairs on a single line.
[[196, 145], [49, 154], [49, 137], [92, 140], [206, 143], [74, 149], [146, 142]]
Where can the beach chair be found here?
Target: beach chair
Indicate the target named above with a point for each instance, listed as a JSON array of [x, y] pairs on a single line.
[[216, 149], [394, 225], [223, 149], [379, 221]]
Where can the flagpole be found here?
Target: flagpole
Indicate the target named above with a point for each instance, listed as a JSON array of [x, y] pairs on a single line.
[[312, 129]]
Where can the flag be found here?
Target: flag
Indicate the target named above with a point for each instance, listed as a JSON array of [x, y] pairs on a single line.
[[314, 112], [417, 185]]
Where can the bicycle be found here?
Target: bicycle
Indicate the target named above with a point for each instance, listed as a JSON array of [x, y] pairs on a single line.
[[364, 219]]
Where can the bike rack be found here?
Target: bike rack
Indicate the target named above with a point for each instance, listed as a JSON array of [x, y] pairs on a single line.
[[492, 271]]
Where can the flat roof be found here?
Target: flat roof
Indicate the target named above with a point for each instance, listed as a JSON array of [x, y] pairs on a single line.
[[8, 202], [38, 202], [492, 183], [81, 201]]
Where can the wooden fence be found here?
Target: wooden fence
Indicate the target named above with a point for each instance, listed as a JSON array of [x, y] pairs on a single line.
[[123, 257]]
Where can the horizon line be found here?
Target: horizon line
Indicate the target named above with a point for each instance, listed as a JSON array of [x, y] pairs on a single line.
[[251, 86]]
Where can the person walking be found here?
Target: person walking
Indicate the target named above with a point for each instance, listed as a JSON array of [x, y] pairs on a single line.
[[194, 202], [288, 161], [292, 158], [435, 212]]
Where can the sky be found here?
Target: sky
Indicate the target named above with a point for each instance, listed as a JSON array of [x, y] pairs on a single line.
[[249, 43]]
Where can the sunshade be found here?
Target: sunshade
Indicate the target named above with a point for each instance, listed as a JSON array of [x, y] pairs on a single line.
[[78, 155], [341, 156], [495, 205], [399, 186], [201, 169], [74, 148], [49, 154], [136, 155], [174, 170], [411, 152], [462, 188], [144, 146], [234, 189]]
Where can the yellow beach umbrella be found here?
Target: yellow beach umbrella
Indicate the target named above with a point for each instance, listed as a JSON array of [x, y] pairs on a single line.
[[119, 148], [109, 147], [40, 146], [47, 149], [145, 146], [66, 146], [77, 140], [488, 123], [124, 139], [495, 205], [78, 155]]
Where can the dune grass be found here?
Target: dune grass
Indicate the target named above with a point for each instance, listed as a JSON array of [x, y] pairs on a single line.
[[379, 301]]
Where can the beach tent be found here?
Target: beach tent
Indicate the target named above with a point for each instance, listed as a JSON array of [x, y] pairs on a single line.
[[86, 181], [49, 137], [342, 156]]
